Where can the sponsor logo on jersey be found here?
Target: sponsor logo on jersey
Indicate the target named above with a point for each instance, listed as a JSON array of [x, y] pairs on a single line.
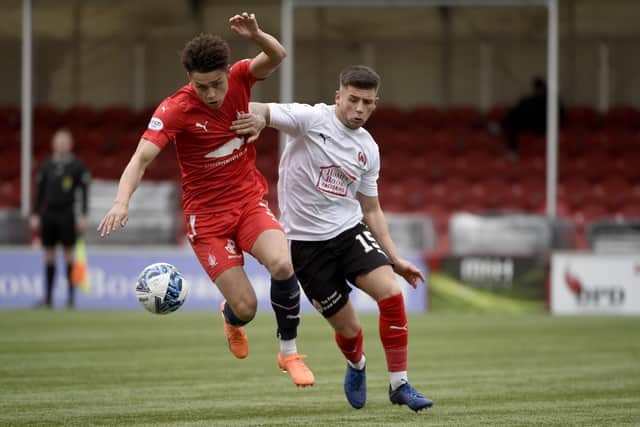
[[227, 148], [334, 180], [327, 303], [155, 124]]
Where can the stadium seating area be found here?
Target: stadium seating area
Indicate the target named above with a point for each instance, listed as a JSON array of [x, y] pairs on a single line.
[[435, 162]]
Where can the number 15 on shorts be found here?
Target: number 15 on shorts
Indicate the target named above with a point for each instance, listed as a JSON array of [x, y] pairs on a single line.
[[369, 242]]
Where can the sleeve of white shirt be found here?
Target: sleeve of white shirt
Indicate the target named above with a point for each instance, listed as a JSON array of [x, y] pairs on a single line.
[[292, 118], [369, 183]]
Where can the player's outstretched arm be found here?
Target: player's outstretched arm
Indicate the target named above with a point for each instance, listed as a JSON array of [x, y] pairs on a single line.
[[374, 218], [246, 25], [118, 215]]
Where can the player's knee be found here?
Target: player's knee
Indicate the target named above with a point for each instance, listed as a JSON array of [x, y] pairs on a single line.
[[245, 309], [388, 291], [348, 329], [280, 268]]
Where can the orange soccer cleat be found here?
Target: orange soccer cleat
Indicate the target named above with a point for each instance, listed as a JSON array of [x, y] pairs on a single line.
[[301, 375], [236, 337]]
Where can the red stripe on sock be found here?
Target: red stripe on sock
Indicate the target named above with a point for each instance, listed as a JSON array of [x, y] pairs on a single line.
[[394, 332], [350, 347]]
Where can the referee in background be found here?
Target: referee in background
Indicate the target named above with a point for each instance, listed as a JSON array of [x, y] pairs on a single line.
[[58, 180]]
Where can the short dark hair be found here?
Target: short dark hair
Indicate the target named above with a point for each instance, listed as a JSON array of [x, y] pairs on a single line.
[[205, 53], [359, 76]]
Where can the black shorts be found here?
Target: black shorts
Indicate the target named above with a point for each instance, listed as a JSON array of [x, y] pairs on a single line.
[[324, 267], [59, 227]]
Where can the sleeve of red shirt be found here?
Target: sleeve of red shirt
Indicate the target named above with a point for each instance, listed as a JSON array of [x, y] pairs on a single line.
[[241, 71], [165, 124]]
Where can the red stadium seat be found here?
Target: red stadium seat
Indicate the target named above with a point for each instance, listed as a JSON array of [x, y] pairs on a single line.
[[592, 212], [576, 191], [531, 145], [141, 120], [48, 117], [480, 141], [631, 211], [10, 193], [9, 140], [426, 117], [582, 118], [615, 190], [10, 118], [462, 117], [626, 167], [622, 117], [117, 117], [388, 117], [571, 142], [81, 116], [414, 193], [393, 197], [531, 191], [445, 140], [496, 192], [497, 114]]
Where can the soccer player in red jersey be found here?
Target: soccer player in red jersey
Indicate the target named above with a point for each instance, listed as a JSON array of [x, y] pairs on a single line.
[[222, 189]]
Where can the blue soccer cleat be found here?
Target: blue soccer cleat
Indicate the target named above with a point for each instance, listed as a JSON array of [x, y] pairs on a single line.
[[355, 386], [407, 395]]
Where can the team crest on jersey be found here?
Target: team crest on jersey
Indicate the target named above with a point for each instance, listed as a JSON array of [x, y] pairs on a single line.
[[334, 180], [362, 158], [231, 248]]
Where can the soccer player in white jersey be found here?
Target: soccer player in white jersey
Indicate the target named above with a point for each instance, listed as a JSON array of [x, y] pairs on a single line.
[[328, 198]]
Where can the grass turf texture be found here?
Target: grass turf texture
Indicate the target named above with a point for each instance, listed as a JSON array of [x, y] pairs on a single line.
[[134, 368]]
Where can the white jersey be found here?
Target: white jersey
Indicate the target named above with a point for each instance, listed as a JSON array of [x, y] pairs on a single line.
[[323, 166]]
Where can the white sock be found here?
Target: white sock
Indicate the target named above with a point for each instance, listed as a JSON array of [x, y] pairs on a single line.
[[288, 347], [397, 379], [360, 365]]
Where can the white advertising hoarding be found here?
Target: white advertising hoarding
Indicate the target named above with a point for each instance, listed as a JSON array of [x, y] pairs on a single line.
[[587, 283]]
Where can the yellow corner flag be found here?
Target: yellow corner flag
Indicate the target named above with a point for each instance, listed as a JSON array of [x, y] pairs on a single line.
[[79, 273]]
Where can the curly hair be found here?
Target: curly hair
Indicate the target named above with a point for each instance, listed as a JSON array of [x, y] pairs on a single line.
[[205, 53], [359, 76]]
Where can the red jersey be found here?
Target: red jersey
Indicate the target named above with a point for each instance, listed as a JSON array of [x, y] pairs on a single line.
[[218, 168]]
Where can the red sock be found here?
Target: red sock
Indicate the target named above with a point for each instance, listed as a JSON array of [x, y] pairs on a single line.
[[393, 332], [351, 347]]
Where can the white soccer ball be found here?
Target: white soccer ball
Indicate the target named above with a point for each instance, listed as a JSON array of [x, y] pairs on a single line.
[[161, 289]]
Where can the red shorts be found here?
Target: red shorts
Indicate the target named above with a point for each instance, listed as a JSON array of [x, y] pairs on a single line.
[[219, 239]]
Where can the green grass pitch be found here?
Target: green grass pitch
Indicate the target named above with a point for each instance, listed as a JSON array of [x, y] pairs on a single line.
[[133, 368]]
